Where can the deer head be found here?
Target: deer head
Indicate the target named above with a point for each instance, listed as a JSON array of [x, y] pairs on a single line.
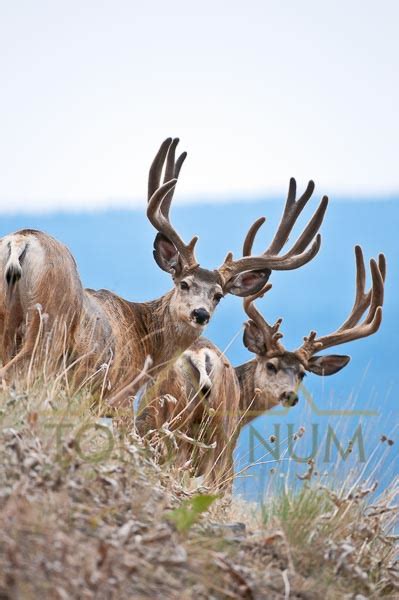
[[279, 372], [197, 290]]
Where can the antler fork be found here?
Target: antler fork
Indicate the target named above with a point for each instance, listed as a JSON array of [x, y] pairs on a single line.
[[271, 333], [351, 329], [160, 198], [299, 254]]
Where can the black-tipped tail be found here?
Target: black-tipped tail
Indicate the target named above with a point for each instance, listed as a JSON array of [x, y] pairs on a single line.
[[13, 274]]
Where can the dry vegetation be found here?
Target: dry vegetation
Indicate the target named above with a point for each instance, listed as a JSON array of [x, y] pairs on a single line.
[[85, 514]]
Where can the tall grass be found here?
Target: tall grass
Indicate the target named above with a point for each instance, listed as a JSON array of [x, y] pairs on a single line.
[[85, 512]]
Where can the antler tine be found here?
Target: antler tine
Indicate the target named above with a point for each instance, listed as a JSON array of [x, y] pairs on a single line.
[[311, 229], [162, 224], [172, 171], [351, 329], [377, 290], [382, 265], [160, 197], [363, 299], [250, 237], [271, 333], [166, 152], [170, 161], [249, 300], [291, 212], [253, 313], [350, 335], [154, 175], [300, 252], [287, 262]]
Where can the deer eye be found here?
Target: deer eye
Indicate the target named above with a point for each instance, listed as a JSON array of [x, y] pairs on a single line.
[[184, 285], [217, 297], [302, 376], [271, 368]]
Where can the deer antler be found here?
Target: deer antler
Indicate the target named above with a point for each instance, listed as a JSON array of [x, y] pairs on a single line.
[[160, 198], [299, 254], [271, 333], [351, 329], [362, 298]]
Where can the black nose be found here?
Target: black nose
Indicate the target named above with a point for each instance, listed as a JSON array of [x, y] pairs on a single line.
[[289, 398], [201, 316]]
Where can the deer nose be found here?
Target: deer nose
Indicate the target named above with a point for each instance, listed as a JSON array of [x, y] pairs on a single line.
[[289, 398], [201, 316]]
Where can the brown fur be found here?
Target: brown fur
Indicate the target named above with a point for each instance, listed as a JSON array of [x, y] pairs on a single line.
[[100, 327], [208, 415], [49, 284], [237, 395]]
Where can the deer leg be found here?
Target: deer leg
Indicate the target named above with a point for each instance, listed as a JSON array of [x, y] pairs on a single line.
[[11, 322], [32, 331], [225, 480], [4, 348], [218, 467], [9, 347]]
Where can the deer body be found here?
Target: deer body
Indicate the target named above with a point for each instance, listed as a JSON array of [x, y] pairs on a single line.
[[101, 327], [139, 330], [199, 395], [40, 274], [41, 287], [209, 400], [273, 377]]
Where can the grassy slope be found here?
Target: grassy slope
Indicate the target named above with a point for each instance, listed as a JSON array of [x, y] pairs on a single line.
[[86, 515]]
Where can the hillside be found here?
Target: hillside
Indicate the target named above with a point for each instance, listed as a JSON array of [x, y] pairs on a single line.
[[85, 513], [113, 250]]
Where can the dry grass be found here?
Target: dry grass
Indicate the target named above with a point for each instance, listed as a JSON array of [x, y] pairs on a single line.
[[87, 514], [341, 542]]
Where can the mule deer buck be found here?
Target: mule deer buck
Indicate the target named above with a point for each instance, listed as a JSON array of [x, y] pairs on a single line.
[[101, 326], [208, 401]]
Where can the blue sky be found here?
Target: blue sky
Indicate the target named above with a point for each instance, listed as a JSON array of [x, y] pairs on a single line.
[[257, 91]]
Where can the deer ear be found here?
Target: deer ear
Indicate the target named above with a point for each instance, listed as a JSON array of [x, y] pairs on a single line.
[[253, 338], [166, 256], [327, 365], [246, 284]]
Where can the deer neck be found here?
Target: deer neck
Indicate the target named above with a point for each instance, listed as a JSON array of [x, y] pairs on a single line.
[[132, 331], [250, 407], [159, 334]]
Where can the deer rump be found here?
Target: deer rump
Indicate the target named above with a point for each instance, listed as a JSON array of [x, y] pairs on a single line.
[[43, 300], [41, 289]]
